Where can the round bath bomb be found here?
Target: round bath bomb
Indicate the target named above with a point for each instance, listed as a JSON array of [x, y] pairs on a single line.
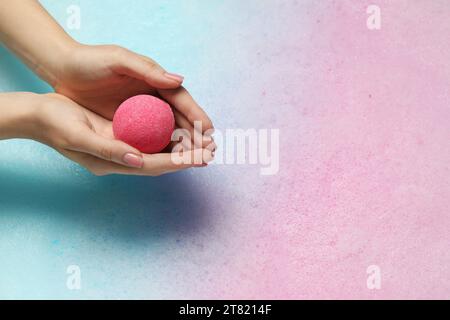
[[144, 122]]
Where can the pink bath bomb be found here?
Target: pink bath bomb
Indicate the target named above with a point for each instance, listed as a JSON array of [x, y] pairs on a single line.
[[144, 122]]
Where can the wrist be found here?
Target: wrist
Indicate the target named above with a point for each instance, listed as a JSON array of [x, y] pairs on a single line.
[[55, 59], [19, 115]]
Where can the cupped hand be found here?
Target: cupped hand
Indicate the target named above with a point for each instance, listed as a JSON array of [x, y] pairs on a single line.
[[87, 138], [100, 78]]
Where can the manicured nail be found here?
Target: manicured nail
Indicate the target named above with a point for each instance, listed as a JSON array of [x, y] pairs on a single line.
[[209, 133], [202, 165], [175, 77], [133, 160]]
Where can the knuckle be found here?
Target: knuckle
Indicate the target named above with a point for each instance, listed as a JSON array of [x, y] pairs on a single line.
[[105, 153], [152, 65]]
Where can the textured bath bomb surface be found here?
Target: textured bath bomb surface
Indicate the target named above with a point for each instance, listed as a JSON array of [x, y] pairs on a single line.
[[144, 122]]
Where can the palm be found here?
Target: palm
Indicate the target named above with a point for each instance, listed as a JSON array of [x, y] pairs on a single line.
[[74, 119], [104, 95]]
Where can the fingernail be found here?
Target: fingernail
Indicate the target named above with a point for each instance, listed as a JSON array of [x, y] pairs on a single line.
[[173, 76], [202, 165], [133, 160], [210, 131]]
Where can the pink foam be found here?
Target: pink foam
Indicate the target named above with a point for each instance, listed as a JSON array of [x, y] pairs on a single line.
[[144, 122]]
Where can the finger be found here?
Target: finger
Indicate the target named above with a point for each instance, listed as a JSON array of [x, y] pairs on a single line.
[[155, 165], [145, 69], [197, 138], [107, 149], [166, 162], [179, 136], [96, 165], [185, 104]]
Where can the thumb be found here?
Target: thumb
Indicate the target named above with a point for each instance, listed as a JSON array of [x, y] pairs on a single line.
[[108, 149], [145, 69]]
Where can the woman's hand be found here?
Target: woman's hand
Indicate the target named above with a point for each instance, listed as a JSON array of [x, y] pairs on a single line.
[[100, 78], [88, 139], [80, 135], [97, 77]]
